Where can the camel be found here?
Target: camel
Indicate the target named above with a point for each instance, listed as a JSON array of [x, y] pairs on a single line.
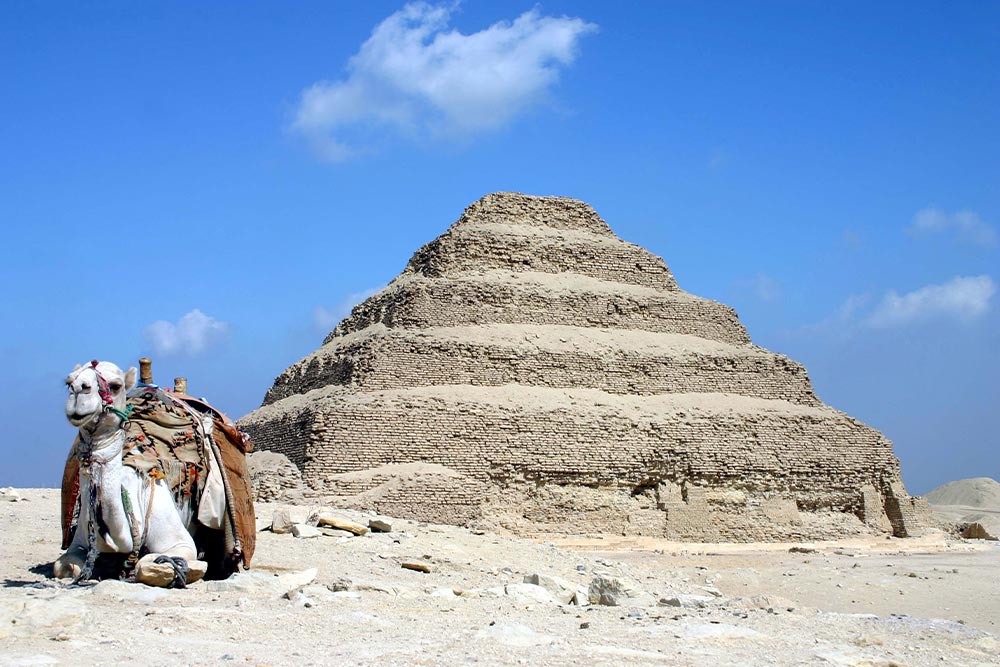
[[121, 510]]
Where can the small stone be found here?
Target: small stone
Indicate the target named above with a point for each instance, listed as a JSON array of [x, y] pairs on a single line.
[[335, 532], [10, 494], [564, 591], [585, 625], [151, 573], [615, 591], [342, 584], [416, 565], [341, 523], [281, 521], [687, 601], [305, 531], [379, 526], [530, 594]]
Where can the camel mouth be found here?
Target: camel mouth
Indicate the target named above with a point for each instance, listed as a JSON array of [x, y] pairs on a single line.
[[79, 420]]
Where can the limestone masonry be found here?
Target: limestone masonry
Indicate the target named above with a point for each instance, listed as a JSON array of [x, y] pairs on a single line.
[[531, 370]]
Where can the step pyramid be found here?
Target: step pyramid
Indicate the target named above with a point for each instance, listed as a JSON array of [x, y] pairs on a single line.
[[531, 370]]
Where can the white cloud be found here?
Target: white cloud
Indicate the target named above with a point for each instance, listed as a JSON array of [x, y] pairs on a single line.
[[326, 319], [961, 297], [966, 225], [761, 286], [417, 77], [192, 334]]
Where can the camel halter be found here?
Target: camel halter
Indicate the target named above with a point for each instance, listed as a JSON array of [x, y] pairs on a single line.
[[104, 391]]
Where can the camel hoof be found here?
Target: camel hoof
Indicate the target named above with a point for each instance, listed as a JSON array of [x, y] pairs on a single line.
[[66, 569]]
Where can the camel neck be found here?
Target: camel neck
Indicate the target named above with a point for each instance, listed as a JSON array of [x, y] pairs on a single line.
[[101, 469]]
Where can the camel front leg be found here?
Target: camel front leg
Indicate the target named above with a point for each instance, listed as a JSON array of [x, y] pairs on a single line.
[[172, 558], [70, 564]]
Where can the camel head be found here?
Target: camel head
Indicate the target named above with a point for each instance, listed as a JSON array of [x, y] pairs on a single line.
[[94, 389]]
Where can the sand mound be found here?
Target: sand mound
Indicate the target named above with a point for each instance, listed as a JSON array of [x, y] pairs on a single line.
[[981, 492]]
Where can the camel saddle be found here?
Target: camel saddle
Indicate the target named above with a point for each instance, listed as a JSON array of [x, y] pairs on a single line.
[[177, 438]]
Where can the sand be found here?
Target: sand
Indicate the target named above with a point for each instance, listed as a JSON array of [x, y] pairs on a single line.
[[925, 601]]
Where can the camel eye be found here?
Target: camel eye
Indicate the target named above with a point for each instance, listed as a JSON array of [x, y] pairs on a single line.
[[115, 386], [85, 387]]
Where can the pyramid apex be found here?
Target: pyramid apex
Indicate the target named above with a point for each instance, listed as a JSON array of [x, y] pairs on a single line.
[[516, 208]]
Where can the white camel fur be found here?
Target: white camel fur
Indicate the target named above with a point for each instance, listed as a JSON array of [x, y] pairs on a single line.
[[101, 440]]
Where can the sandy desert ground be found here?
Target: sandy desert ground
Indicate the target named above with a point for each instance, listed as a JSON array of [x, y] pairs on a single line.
[[340, 600]]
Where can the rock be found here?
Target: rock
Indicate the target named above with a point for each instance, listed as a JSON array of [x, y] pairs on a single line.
[[305, 531], [687, 601], [39, 618], [341, 523], [249, 582], [151, 573], [281, 521], [379, 526], [977, 531], [341, 584], [335, 532], [562, 590], [416, 565], [514, 634], [375, 588], [616, 591], [126, 592], [10, 494], [530, 594], [443, 593]]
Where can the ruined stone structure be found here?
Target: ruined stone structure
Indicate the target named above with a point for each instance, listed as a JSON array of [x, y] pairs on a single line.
[[530, 369]]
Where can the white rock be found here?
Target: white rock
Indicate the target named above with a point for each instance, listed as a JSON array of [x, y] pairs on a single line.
[[306, 531], [10, 494], [514, 634], [40, 618], [530, 594], [616, 591], [281, 521], [261, 582], [563, 590], [125, 592], [687, 601]]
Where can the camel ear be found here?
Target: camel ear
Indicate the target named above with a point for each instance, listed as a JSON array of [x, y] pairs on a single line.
[[130, 378]]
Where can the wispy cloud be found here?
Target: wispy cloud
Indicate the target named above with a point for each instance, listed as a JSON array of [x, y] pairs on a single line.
[[326, 319], [967, 226], [964, 298], [192, 334], [415, 76], [762, 287]]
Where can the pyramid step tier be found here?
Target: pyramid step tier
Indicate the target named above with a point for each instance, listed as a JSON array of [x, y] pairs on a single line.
[[514, 208], [582, 437], [615, 361], [540, 249], [498, 297]]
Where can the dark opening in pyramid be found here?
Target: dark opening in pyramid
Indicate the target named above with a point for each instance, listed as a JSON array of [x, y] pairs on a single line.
[[531, 370]]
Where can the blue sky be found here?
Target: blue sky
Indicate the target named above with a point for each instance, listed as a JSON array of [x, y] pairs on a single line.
[[215, 184]]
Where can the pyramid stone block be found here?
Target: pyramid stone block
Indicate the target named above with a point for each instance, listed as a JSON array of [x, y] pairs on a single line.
[[532, 371]]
